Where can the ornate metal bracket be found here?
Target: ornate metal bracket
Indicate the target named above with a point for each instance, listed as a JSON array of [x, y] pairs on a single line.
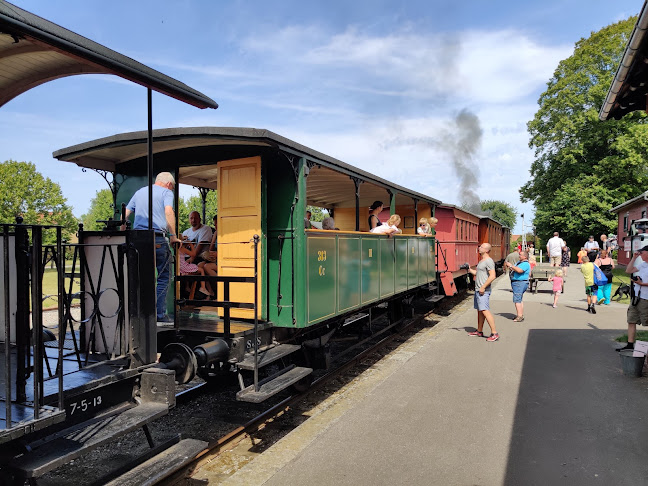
[[114, 184]]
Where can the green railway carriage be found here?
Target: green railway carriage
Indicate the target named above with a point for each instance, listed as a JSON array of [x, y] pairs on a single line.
[[264, 183]]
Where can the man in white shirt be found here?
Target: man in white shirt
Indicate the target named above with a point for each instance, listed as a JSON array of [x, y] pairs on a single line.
[[199, 234], [554, 249], [638, 308]]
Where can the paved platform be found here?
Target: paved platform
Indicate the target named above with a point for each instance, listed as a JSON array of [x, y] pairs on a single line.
[[546, 404]]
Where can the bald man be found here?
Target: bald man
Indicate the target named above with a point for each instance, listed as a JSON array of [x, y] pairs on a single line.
[[199, 235], [484, 275]]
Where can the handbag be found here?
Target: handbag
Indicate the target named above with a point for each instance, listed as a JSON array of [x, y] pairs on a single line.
[[599, 278]]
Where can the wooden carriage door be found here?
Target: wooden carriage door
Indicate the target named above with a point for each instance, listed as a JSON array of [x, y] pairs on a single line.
[[239, 219]]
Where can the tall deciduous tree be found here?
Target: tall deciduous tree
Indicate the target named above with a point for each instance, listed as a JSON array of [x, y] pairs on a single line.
[[583, 167], [25, 192], [501, 211], [101, 209]]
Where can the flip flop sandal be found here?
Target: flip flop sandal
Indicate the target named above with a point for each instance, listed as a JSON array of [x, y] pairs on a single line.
[[518, 319]]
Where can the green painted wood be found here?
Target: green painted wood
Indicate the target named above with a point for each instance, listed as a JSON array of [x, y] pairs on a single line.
[[349, 269], [322, 277], [301, 261], [370, 269], [423, 250], [412, 262], [401, 263], [281, 189], [431, 259], [387, 266]]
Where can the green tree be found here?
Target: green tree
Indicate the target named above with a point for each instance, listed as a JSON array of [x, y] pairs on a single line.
[[101, 209], [317, 213], [583, 167], [25, 192], [501, 211]]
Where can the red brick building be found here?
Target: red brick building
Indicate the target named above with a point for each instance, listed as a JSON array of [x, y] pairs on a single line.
[[627, 212]]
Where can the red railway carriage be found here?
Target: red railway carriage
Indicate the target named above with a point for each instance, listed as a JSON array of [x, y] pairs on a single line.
[[457, 234], [491, 231]]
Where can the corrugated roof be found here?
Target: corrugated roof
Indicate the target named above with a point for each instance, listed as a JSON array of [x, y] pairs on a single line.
[[34, 51]]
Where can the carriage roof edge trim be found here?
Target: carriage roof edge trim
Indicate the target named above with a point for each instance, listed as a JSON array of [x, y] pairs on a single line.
[[101, 153], [90, 57], [628, 85], [477, 215]]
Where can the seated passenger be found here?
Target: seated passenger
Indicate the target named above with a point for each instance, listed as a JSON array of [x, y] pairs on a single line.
[[187, 268], [198, 235], [425, 226], [374, 210], [210, 256], [390, 227], [328, 224], [307, 220]]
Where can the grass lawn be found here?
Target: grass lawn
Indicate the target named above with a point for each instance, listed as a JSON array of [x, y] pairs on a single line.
[[641, 336], [620, 278], [50, 286]]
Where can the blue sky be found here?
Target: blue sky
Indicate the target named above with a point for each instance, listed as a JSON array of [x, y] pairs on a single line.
[[377, 84]]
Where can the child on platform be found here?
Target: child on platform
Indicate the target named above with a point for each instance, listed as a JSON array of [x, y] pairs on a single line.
[[557, 286]]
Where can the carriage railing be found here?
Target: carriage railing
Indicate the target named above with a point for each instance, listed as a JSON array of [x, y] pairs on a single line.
[[37, 356], [226, 304]]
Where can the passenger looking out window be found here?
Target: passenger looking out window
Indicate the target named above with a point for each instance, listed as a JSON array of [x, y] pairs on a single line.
[[390, 227]]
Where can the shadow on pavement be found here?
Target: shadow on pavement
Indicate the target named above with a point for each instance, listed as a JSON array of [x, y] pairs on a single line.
[[578, 419]]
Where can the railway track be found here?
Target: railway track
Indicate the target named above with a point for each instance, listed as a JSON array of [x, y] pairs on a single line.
[[383, 338], [212, 414]]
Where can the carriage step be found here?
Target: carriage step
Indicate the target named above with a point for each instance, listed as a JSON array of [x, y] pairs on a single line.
[[68, 447], [162, 465], [435, 298], [272, 387], [268, 356]]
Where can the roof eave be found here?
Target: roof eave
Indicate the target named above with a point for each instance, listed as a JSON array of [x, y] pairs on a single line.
[[627, 61]]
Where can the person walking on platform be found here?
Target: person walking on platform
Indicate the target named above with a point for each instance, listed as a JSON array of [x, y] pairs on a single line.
[[519, 282], [557, 281], [638, 308], [484, 274], [591, 289], [163, 220], [581, 254], [554, 249], [565, 259], [606, 264], [592, 248]]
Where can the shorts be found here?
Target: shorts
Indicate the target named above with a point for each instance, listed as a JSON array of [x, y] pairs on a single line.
[[591, 289], [555, 260], [482, 302], [638, 314], [519, 287]]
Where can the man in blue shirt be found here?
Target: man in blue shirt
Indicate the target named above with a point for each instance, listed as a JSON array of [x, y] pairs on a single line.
[[163, 219], [519, 282]]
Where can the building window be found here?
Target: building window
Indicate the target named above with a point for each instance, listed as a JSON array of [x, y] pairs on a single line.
[[643, 214], [625, 223]]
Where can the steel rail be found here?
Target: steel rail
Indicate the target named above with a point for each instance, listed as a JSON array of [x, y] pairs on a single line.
[[216, 446]]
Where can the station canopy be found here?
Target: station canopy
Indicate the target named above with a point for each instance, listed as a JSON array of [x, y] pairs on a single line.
[[34, 51], [629, 89]]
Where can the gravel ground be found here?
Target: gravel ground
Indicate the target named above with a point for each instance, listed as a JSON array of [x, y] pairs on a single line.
[[214, 412]]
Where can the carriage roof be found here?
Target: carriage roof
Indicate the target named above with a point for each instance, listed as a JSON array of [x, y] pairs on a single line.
[[110, 153]]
